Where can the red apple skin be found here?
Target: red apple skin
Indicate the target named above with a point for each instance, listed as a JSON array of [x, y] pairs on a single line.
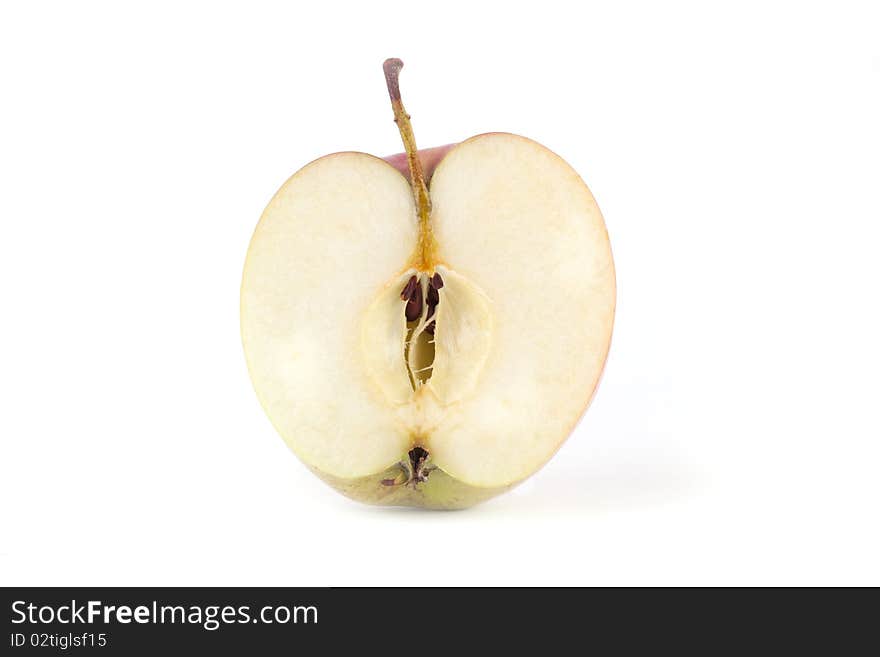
[[430, 158]]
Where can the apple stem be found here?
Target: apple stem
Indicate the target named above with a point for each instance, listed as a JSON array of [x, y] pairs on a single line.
[[427, 246]]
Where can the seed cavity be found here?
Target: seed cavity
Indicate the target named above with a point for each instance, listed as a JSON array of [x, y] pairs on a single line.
[[421, 296]]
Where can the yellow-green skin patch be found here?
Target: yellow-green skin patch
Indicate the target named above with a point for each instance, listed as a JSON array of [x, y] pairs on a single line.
[[440, 491]]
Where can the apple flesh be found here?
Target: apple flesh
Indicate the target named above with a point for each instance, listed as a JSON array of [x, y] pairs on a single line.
[[428, 346]]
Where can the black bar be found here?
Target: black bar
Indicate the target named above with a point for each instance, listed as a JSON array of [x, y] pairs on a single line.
[[148, 621]]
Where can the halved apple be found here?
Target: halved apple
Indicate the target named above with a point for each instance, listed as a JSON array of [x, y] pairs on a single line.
[[429, 347]]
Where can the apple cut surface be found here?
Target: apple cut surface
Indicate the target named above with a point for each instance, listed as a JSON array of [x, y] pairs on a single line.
[[520, 335]]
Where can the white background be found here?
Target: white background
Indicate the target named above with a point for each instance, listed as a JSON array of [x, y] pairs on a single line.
[[735, 154]]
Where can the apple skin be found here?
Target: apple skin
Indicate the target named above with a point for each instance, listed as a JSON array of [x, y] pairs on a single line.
[[439, 492], [429, 157]]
